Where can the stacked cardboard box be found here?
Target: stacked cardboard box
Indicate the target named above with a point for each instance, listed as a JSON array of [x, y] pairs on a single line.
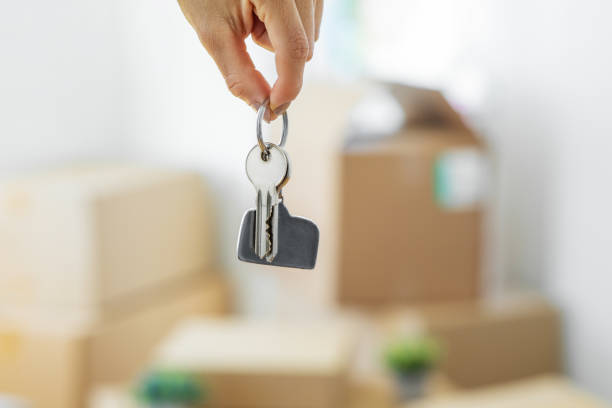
[[96, 264], [409, 214], [54, 364], [81, 237], [409, 238]]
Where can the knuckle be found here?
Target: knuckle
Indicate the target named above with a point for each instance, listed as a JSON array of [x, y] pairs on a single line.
[[213, 32], [298, 48], [209, 38]]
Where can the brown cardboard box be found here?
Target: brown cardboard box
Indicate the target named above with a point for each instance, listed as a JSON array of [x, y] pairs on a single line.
[[54, 364], [487, 342], [255, 364], [80, 238], [399, 241], [492, 343]]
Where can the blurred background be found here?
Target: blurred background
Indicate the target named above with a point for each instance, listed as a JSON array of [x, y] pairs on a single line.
[[455, 156]]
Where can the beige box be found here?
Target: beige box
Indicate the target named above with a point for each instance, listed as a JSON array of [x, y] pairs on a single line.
[[86, 236], [543, 391], [409, 232], [486, 342], [255, 364], [55, 363]]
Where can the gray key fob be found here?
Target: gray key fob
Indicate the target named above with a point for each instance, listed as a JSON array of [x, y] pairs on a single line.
[[298, 241]]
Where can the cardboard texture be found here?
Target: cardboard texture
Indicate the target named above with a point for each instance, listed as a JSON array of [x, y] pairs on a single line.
[[263, 364], [82, 237], [398, 244], [486, 342], [54, 364]]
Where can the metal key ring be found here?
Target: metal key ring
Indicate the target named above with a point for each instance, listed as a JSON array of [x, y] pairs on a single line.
[[260, 141]]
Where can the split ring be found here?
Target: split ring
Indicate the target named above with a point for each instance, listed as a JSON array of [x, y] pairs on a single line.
[[260, 141]]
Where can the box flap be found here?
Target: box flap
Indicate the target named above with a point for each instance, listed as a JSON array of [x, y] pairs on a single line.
[[426, 107]]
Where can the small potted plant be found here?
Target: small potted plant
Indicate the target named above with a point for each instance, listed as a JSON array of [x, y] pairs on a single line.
[[170, 389], [411, 359]]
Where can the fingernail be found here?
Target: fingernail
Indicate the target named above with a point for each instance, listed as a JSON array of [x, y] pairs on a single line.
[[268, 115], [282, 108]]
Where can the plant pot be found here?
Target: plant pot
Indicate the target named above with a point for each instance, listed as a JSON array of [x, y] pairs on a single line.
[[410, 385]]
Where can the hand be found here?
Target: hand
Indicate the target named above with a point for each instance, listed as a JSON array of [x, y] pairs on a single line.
[[288, 28]]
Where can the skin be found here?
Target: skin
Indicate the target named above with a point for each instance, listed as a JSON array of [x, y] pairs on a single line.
[[288, 28]]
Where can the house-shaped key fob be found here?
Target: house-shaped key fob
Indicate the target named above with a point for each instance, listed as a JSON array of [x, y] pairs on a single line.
[[298, 241]]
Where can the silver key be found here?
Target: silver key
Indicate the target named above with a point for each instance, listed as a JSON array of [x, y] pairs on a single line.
[[268, 173]]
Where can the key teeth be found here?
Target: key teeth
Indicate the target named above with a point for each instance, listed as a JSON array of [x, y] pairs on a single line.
[[269, 236]]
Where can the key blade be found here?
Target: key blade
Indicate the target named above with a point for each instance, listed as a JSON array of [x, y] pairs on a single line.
[[257, 237], [265, 231], [273, 227], [268, 232], [261, 217], [273, 232]]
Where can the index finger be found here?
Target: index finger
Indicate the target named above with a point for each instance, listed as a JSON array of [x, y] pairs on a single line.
[[290, 43]]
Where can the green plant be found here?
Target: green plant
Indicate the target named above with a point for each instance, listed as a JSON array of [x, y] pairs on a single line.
[[412, 355], [170, 387]]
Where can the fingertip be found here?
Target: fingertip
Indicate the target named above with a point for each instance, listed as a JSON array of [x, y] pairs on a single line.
[[281, 109], [250, 86], [268, 115], [283, 93], [311, 47]]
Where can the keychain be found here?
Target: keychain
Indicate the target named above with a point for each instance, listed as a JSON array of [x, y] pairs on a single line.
[[268, 234]]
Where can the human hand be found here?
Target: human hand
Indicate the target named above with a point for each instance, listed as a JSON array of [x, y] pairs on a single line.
[[288, 28]]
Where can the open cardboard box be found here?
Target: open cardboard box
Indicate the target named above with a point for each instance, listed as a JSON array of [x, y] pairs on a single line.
[[410, 213]]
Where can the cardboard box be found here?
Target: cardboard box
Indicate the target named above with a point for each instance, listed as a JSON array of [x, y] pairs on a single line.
[[545, 391], [86, 236], [486, 342], [492, 343], [410, 216], [263, 364], [54, 363], [380, 391]]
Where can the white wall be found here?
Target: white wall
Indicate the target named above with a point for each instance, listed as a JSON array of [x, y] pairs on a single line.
[[549, 114], [60, 82]]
